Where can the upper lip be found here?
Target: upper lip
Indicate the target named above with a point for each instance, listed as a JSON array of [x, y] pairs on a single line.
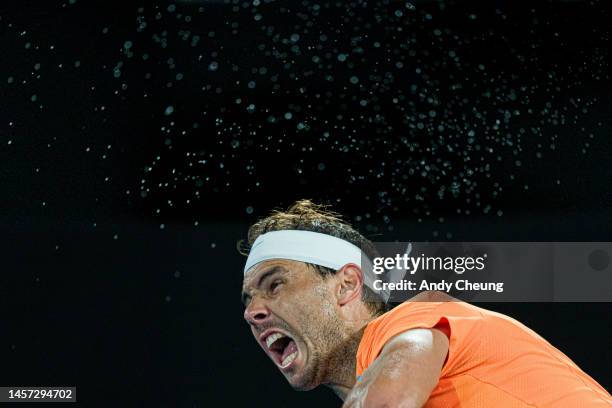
[[263, 336]]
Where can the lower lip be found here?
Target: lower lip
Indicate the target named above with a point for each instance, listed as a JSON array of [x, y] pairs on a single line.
[[291, 363]]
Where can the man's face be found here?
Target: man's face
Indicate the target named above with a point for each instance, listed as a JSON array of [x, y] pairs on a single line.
[[294, 318]]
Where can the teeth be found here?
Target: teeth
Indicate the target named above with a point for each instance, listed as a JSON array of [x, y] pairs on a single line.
[[272, 338], [289, 359]]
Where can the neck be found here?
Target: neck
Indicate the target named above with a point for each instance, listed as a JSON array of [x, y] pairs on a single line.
[[343, 365]]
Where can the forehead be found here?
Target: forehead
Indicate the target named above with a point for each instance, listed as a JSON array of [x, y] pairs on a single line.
[[284, 266]]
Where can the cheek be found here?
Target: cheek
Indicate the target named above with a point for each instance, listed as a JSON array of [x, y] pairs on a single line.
[[307, 303], [311, 303], [303, 291], [313, 310]]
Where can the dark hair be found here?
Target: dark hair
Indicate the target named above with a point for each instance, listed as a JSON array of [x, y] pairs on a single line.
[[308, 216]]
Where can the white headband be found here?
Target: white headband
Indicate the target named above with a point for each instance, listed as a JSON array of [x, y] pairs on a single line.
[[311, 247]]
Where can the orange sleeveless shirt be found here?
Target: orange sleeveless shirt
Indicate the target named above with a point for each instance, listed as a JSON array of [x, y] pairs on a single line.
[[493, 360]]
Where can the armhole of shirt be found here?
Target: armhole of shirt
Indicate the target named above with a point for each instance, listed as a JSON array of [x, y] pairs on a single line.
[[440, 321]]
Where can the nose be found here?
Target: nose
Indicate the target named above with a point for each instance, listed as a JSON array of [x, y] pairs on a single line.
[[256, 312]]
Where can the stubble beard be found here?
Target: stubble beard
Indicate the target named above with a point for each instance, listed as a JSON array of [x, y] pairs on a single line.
[[332, 347]]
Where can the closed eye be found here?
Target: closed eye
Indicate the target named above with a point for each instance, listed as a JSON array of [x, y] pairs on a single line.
[[274, 285]]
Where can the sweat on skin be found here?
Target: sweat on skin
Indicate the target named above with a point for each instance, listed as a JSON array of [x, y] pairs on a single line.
[[432, 350], [316, 323]]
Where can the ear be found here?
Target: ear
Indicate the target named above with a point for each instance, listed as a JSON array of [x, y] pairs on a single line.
[[349, 283]]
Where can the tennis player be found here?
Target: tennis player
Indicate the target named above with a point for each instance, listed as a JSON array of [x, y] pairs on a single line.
[[310, 308]]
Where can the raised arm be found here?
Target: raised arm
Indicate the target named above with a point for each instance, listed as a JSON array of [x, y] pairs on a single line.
[[404, 374]]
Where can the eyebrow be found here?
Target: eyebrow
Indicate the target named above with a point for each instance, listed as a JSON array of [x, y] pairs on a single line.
[[275, 269]]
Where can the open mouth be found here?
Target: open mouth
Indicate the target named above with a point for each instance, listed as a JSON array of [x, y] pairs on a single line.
[[281, 347]]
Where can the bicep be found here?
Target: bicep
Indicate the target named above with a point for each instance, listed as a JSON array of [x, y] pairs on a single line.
[[409, 367], [420, 345]]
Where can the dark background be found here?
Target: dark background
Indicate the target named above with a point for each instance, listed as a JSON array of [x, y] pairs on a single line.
[[138, 141]]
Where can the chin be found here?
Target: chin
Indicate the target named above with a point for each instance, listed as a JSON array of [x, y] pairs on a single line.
[[303, 386], [299, 383]]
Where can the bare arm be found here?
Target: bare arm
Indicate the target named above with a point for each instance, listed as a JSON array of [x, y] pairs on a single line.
[[404, 374]]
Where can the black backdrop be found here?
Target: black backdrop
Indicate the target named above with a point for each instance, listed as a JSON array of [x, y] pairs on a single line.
[[155, 319], [126, 181]]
